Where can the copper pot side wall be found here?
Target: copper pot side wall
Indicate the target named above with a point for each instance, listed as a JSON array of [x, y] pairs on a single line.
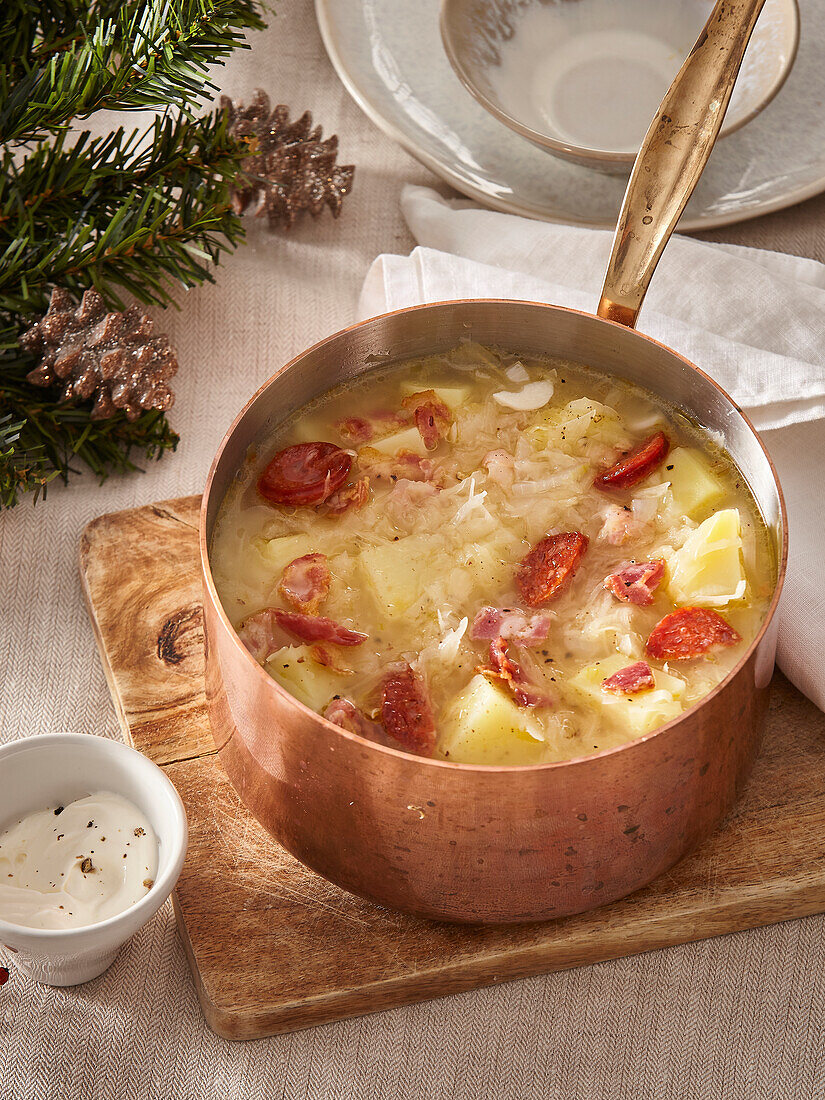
[[485, 844], [473, 844]]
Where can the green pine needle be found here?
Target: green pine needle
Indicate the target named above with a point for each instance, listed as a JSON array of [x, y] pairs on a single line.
[[138, 214]]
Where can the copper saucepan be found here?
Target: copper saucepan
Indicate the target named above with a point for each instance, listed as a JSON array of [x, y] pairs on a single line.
[[470, 843]]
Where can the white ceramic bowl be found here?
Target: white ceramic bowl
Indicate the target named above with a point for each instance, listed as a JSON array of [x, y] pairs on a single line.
[[583, 78], [52, 768]]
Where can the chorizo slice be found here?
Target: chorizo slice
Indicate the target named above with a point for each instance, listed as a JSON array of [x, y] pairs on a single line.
[[550, 566], [306, 473], [635, 467], [690, 632], [406, 712]]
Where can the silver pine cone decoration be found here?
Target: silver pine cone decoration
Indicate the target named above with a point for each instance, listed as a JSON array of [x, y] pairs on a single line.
[[115, 358], [289, 168]]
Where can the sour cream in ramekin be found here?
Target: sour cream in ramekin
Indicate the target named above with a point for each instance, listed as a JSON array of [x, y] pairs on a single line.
[[72, 865]]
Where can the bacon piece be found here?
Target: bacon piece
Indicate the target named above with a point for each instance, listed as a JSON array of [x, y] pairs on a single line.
[[361, 429], [511, 623], [689, 632], [635, 466], [351, 496], [330, 659], [305, 582], [316, 628], [262, 635], [355, 429], [405, 464], [501, 468], [306, 473], [406, 712], [630, 680], [512, 675], [636, 582], [346, 715], [550, 565], [432, 417]]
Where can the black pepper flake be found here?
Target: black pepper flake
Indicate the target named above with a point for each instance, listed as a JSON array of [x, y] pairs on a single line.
[[87, 867], [60, 836], [90, 824], [59, 810], [140, 832], [668, 467]]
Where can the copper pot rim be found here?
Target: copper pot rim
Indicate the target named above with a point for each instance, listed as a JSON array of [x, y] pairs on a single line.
[[410, 759]]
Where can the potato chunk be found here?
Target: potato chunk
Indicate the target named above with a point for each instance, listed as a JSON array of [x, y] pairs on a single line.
[[490, 564], [708, 570], [694, 486], [638, 714], [483, 725], [396, 574], [295, 669], [278, 553], [407, 440]]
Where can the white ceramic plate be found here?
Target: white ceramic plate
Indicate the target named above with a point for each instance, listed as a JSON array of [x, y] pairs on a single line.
[[389, 55]]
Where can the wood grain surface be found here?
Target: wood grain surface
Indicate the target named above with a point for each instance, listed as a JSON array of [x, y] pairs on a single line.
[[274, 947]]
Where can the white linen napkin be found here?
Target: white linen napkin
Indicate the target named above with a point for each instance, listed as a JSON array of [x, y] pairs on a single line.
[[754, 320]]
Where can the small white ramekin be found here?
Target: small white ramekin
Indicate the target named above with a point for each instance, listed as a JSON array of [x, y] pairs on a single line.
[[55, 768]]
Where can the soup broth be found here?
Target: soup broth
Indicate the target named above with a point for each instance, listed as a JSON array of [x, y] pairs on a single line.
[[492, 559]]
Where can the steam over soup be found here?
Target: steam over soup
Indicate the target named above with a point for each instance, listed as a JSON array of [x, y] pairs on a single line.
[[492, 560]]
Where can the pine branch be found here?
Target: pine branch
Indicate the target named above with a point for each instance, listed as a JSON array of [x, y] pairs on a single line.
[[135, 214], [22, 468], [147, 54], [91, 215], [41, 440]]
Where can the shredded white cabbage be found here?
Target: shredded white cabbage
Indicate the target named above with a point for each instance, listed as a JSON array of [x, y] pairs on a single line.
[[448, 646]]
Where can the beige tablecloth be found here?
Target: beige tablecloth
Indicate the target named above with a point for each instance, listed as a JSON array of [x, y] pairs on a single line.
[[737, 1017]]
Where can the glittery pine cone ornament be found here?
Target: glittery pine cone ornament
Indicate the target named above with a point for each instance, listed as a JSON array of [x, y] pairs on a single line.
[[289, 169], [114, 357]]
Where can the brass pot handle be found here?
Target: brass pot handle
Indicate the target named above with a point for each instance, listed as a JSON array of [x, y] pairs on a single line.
[[673, 155]]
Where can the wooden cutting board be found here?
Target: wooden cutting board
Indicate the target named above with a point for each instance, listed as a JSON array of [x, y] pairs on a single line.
[[274, 947]]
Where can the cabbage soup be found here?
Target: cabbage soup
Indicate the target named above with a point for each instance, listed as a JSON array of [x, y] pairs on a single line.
[[492, 559]]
